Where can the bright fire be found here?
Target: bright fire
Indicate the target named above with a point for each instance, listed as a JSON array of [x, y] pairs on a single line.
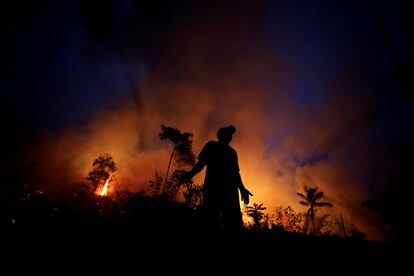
[[104, 190]]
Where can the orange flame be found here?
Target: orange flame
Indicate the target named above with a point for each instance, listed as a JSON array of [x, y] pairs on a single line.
[[104, 190]]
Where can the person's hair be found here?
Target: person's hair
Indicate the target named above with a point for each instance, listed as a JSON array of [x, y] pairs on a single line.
[[226, 131]]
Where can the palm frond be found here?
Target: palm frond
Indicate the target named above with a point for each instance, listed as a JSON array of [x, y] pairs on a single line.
[[324, 204], [319, 195], [310, 193], [302, 196], [304, 203]]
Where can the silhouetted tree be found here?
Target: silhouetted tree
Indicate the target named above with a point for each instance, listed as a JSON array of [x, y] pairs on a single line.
[[193, 195], [392, 207], [155, 184], [324, 225], [103, 166], [278, 219], [311, 199], [256, 213], [287, 219], [182, 148], [173, 184]]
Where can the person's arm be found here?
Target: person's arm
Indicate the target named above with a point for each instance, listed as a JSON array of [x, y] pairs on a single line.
[[202, 161], [196, 169], [243, 191], [239, 182]]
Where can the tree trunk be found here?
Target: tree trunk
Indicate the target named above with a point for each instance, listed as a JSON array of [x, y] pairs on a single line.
[[312, 218], [168, 170], [343, 226]]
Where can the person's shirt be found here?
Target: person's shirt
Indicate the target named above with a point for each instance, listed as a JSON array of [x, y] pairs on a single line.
[[221, 160]]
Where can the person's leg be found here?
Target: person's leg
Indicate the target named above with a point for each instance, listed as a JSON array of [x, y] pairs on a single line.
[[232, 219], [232, 216], [211, 212]]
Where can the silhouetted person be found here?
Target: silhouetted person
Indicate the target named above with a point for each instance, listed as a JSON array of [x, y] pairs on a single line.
[[222, 182]]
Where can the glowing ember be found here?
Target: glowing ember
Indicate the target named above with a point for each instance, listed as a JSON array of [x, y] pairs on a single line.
[[104, 190]]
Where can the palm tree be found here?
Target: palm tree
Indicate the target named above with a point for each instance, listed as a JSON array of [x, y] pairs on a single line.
[[311, 199], [256, 213]]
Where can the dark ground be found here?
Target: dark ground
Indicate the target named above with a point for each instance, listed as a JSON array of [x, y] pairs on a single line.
[[184, 246]]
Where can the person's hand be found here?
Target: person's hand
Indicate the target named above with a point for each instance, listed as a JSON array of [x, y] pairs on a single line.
[[245, 195]]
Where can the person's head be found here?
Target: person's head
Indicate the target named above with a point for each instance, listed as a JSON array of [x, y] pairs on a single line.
[[225, 134]]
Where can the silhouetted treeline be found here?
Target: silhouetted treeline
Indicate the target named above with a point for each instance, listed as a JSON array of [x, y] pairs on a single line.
[[155, 217], [393, 201], [162, 229]]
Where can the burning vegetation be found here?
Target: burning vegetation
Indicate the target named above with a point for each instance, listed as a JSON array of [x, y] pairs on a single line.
[[100, 193], [170, 208], [101, 175], [105, 188]]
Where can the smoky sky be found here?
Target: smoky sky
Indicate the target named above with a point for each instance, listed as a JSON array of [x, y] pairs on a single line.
[[61, 55], [329, 82]]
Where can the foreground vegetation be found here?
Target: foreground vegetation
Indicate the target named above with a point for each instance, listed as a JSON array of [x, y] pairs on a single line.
[[154, 218]]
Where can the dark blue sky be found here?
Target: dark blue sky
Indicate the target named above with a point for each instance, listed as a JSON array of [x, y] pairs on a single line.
[[321, 40], [66, 59]]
